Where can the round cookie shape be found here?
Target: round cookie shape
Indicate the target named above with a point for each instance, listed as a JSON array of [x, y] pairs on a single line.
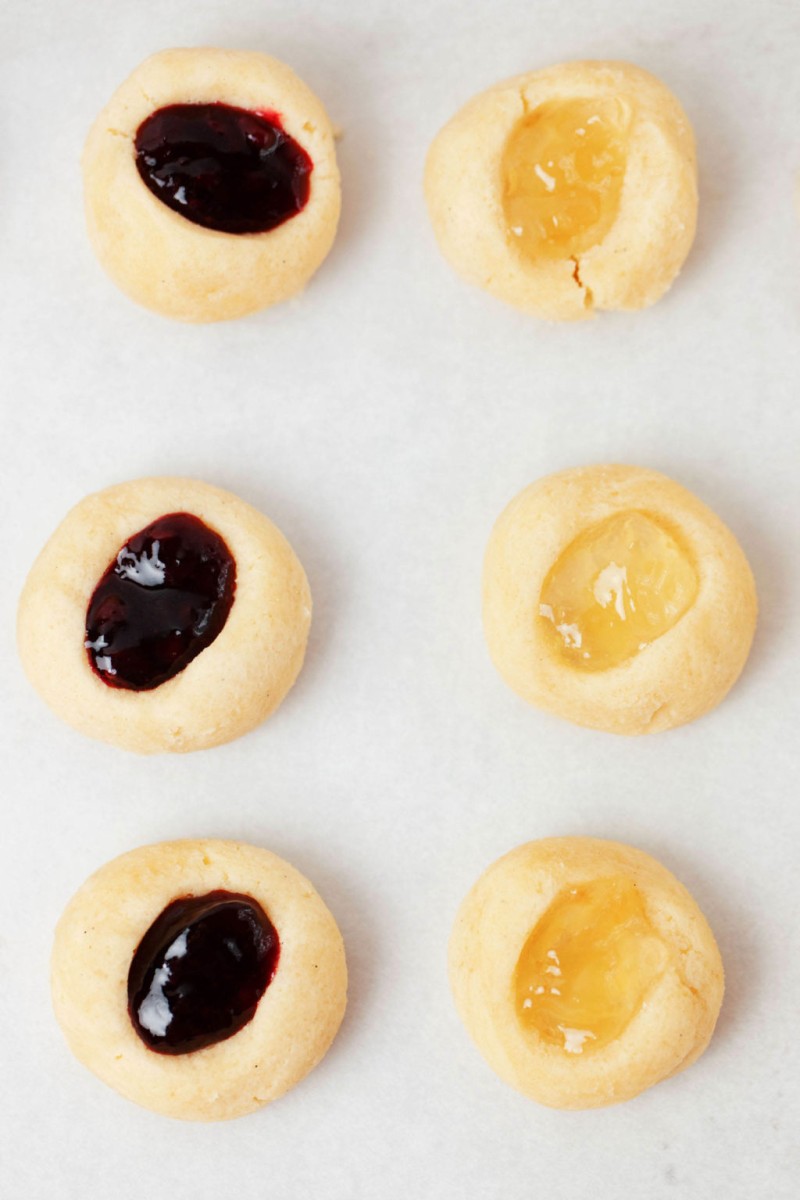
[[211, 184], [567, 190], [584, 972], [614, 598], [291, 1025], [129, 639]]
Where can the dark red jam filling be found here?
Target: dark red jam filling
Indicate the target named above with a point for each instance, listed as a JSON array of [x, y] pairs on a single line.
[[163, 600], [200, 970], [223, 168]]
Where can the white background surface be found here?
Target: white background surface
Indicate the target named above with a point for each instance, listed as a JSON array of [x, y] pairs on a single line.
[[383, 420]]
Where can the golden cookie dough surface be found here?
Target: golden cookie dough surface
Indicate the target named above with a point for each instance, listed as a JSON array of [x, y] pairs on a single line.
[[296, 1018], [168, 263], [614, 598], [230, 687], [584, 972], [567, 190]]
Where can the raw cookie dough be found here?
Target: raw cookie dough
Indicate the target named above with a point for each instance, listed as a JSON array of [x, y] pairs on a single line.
[[295, 1020], [567, 190], [169, 263], [230, 687], [584, 972], [614, 598]]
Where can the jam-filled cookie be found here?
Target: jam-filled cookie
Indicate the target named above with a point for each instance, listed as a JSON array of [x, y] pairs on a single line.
[[613, 597], [584, 972], [200, 979], [567, 190], [164, 614], [211, 184]]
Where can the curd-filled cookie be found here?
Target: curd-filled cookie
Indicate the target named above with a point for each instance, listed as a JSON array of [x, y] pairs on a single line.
[[613, 597], [164, 614], [200, 979], [211, 184], [584, 972], [567, 190]]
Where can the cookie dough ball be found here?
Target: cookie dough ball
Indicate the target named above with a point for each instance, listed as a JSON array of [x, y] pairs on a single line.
[[584, 972], [567, 190], [614, 598], [164, 614], [200, 979], [211, 184]]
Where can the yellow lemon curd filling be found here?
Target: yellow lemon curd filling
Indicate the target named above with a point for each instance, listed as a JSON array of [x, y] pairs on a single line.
[[562, 173], [616, 588], [588, 965]]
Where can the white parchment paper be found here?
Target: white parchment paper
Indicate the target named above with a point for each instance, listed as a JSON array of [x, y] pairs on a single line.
[[383, 420]]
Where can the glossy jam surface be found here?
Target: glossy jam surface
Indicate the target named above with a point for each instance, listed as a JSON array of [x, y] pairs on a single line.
[[224, 168], [588, 965], [200, 970], [163, 600], [562, 170], [616, 588]]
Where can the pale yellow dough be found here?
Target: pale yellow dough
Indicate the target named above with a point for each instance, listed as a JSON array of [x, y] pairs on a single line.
[[296, 1019], [166, 262], [232, 685], [645, 248], [679, 676], [670, 1030]]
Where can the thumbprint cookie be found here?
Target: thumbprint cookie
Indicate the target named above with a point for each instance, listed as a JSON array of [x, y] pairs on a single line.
[[164, 615], [614, 598], [584, 972], [200, 979], [211, 184], [567, 190]]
